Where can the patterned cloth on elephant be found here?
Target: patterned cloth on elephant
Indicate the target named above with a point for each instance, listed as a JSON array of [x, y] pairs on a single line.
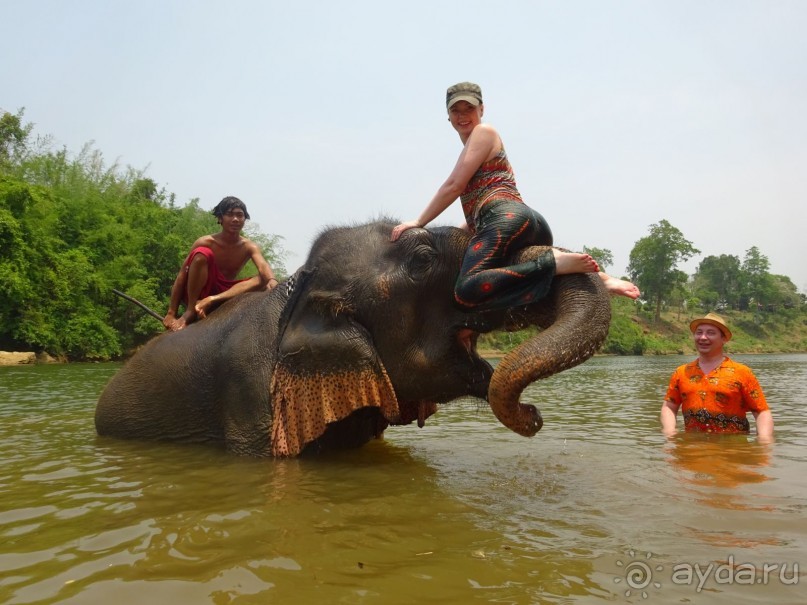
[[216, 282], [501, 225], [718, 402]]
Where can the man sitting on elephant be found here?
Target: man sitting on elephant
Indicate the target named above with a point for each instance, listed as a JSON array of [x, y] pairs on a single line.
[[208, 275]]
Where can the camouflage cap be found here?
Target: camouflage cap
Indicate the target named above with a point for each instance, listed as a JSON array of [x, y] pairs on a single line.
[[464, 91]]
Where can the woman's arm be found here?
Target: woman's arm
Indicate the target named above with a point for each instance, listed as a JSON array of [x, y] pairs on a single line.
[[482, 143]]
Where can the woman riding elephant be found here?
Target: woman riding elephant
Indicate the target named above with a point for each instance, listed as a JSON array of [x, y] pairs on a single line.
[[499, 221]]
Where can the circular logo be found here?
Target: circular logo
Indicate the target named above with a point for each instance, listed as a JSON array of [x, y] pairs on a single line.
[[638, 575]]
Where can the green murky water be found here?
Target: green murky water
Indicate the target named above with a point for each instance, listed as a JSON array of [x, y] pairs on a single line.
[[598, 507]]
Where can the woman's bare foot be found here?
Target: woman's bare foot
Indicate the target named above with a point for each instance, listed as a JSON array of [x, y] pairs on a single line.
[[620, 287], [573, 262]]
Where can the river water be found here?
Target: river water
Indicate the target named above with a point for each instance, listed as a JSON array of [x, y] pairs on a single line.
[[598, 507]]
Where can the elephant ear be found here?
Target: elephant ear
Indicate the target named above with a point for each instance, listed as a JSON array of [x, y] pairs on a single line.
[[327, 369]]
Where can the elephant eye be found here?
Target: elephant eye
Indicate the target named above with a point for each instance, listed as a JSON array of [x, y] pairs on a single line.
[[421, 261]]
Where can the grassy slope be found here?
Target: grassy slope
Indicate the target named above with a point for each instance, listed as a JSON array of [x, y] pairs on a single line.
[[782, 332], [633, 332]]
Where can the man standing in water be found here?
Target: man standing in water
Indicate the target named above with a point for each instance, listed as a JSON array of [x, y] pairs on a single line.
[[715, 391], [208, 275]]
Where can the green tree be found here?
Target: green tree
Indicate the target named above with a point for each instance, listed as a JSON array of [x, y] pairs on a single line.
[[625, 336], [786, 292], [13, 137], [717, 280], [653, 262], [271, 246], [756, 283], [73, 228], [603, 256]]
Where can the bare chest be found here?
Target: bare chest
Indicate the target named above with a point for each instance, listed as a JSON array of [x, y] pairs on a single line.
[[230, 258]]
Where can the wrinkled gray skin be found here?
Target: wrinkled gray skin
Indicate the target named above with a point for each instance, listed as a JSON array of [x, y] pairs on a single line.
[[363, 303]]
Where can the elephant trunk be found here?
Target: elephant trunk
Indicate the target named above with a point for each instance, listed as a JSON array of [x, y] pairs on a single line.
[[576, 316]]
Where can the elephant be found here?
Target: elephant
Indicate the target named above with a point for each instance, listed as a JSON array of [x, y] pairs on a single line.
[[364, 335]]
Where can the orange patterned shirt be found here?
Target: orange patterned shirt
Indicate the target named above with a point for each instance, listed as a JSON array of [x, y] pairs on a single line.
[[718, 402]]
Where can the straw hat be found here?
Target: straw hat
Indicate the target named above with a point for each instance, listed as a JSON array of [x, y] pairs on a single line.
[[712, 319]]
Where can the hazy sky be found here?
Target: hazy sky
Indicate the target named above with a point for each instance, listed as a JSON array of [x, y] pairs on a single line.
[[615, 115]]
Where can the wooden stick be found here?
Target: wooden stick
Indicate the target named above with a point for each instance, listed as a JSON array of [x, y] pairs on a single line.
[[151, 312]]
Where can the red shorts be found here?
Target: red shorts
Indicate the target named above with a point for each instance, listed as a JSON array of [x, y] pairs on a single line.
[[216, 282]]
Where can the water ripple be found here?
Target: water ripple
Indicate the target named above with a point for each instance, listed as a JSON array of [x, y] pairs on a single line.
[[460, 510]]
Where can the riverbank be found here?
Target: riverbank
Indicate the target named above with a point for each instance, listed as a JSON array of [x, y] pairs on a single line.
[[634, 331], [784, 331], [16, 358]]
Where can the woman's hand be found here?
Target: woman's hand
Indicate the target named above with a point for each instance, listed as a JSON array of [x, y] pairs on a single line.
[[399, 229]]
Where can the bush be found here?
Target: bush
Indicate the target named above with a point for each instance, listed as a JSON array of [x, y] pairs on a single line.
[[624, 337]]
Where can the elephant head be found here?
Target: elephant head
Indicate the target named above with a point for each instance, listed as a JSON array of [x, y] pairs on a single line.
[[372, 324], [365, 334]]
